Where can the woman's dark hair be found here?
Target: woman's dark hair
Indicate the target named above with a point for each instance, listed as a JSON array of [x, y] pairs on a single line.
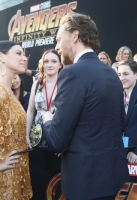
[[5, 45], [22, 89]]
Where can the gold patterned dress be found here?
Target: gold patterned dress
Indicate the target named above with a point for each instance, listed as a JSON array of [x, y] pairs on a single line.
[[14, 183]]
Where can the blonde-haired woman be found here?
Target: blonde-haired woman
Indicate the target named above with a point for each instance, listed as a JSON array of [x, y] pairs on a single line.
[[104, 57], [135, 57], [43, 164], [124, 53]]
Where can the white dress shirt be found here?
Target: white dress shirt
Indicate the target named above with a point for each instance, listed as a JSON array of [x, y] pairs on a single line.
[[81, 53]]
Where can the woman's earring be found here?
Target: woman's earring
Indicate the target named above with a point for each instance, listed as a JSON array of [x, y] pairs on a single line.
[[4, 72]]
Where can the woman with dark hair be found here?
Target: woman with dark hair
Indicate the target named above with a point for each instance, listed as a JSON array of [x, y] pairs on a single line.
[[14, 171], [18, 90], [45, 163]]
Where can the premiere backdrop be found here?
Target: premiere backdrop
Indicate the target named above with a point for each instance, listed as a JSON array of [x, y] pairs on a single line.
[[34, 25]]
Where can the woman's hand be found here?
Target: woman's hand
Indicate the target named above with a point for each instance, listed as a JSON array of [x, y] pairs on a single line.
[[9, 161], [132, 158]]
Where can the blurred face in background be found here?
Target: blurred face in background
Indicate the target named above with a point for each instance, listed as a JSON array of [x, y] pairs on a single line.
[[125, 55], [135, 57], [103, 58], [51, 64], [16, 82], [127, 77]]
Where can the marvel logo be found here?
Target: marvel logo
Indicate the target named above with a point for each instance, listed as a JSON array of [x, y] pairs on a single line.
[[45, 5], [35, 8], [41, 6]]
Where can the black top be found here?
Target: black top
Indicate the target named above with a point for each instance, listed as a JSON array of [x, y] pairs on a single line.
[[26, 101]]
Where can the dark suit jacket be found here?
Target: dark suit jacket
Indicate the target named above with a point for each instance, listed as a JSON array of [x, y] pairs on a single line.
[[87, 129], [131, 120]]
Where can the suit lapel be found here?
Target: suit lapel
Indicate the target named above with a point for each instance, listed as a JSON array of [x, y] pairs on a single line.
[[132, 102]]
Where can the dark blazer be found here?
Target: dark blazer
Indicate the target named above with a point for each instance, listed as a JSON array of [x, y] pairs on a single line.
[[87, 129], [131, 120]]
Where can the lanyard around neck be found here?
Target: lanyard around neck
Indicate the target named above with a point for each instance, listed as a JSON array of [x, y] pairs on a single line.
[[48, 103]]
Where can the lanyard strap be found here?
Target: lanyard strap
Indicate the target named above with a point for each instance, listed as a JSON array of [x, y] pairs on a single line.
[[49, 102]]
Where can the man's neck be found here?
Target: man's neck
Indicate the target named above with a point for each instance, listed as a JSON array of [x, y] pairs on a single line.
[[81, 53]]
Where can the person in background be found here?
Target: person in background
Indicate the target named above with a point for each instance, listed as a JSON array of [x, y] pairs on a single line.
[[86, 127], [14, 177], [104, 57], [29, 72], [36, 77], [18, 90], [33, 73], [135, 57], [127, 72], [124, 53], [45, 163]]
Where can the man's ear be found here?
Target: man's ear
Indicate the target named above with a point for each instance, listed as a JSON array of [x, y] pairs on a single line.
[[75, 35]]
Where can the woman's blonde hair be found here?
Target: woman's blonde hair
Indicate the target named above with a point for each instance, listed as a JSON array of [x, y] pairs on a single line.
[[135, 56], [109, 60], [42, 74], [120, 52]]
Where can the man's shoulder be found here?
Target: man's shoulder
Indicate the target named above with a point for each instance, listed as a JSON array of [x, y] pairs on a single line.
[[134, 92], [135, 88]]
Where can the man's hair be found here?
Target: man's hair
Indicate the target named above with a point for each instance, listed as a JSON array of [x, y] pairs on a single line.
[[131, 63], [109, 60], [88, 32], [120, 52]]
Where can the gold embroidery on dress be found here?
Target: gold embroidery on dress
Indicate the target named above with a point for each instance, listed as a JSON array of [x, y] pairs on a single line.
[[14, 183]]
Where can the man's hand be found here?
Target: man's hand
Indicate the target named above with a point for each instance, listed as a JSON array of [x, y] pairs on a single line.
[[47, 116], [132, 158]]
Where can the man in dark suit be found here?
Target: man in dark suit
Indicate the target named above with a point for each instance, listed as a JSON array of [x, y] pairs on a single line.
[[127, 72], [87, 124]]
